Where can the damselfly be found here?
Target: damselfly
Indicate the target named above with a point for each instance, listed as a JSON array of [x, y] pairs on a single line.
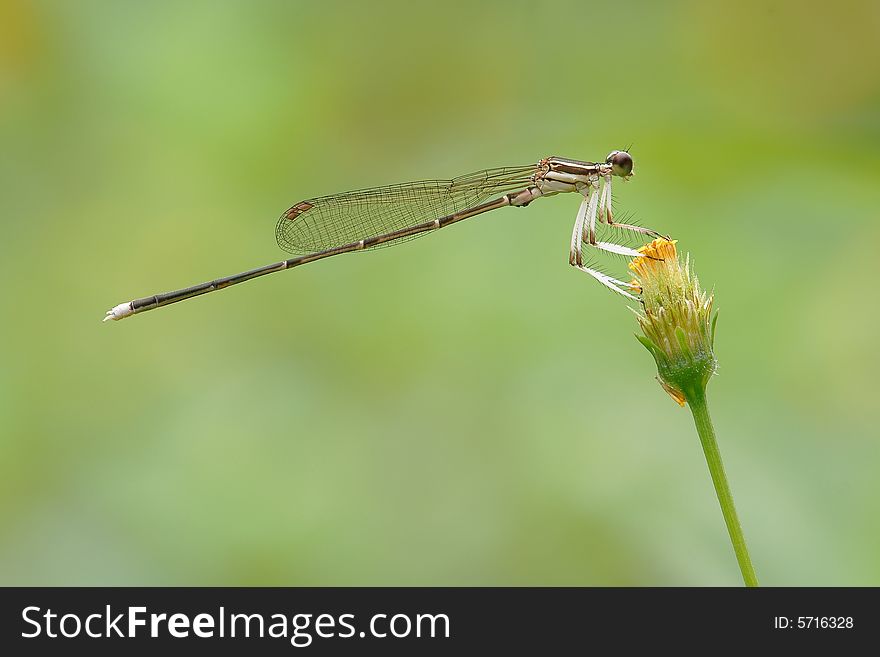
[[369, 218]]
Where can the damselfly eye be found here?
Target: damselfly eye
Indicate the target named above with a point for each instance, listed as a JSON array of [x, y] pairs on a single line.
[[621, 163]]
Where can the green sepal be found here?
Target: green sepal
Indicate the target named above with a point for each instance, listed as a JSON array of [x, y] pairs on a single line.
[[681, 337], [659, 357], [712, 331]]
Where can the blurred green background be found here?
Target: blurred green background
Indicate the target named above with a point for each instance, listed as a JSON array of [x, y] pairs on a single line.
[[464, 409]]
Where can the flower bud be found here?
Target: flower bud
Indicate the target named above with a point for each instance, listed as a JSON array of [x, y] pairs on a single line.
[[676, 319]]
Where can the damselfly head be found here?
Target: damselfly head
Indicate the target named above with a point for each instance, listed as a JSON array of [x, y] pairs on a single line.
[[621, 163]]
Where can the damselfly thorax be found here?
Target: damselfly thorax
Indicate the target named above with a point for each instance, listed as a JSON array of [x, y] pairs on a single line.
[[325, 226]]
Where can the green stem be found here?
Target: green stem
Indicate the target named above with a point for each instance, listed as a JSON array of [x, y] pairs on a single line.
[[696, 399]]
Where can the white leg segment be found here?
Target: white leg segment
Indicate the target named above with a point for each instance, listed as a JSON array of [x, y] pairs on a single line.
[[589, 231], [605, 201], [611, 247], [575, 257], [611, 283]]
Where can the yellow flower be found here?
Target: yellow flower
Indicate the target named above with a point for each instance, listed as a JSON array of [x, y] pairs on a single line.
[[676, 319], [660, 252]]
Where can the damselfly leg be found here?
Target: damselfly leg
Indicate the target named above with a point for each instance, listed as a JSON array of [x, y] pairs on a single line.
[[593, 211]]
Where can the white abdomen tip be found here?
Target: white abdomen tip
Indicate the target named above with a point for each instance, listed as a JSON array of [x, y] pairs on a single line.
[[121, 311]]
